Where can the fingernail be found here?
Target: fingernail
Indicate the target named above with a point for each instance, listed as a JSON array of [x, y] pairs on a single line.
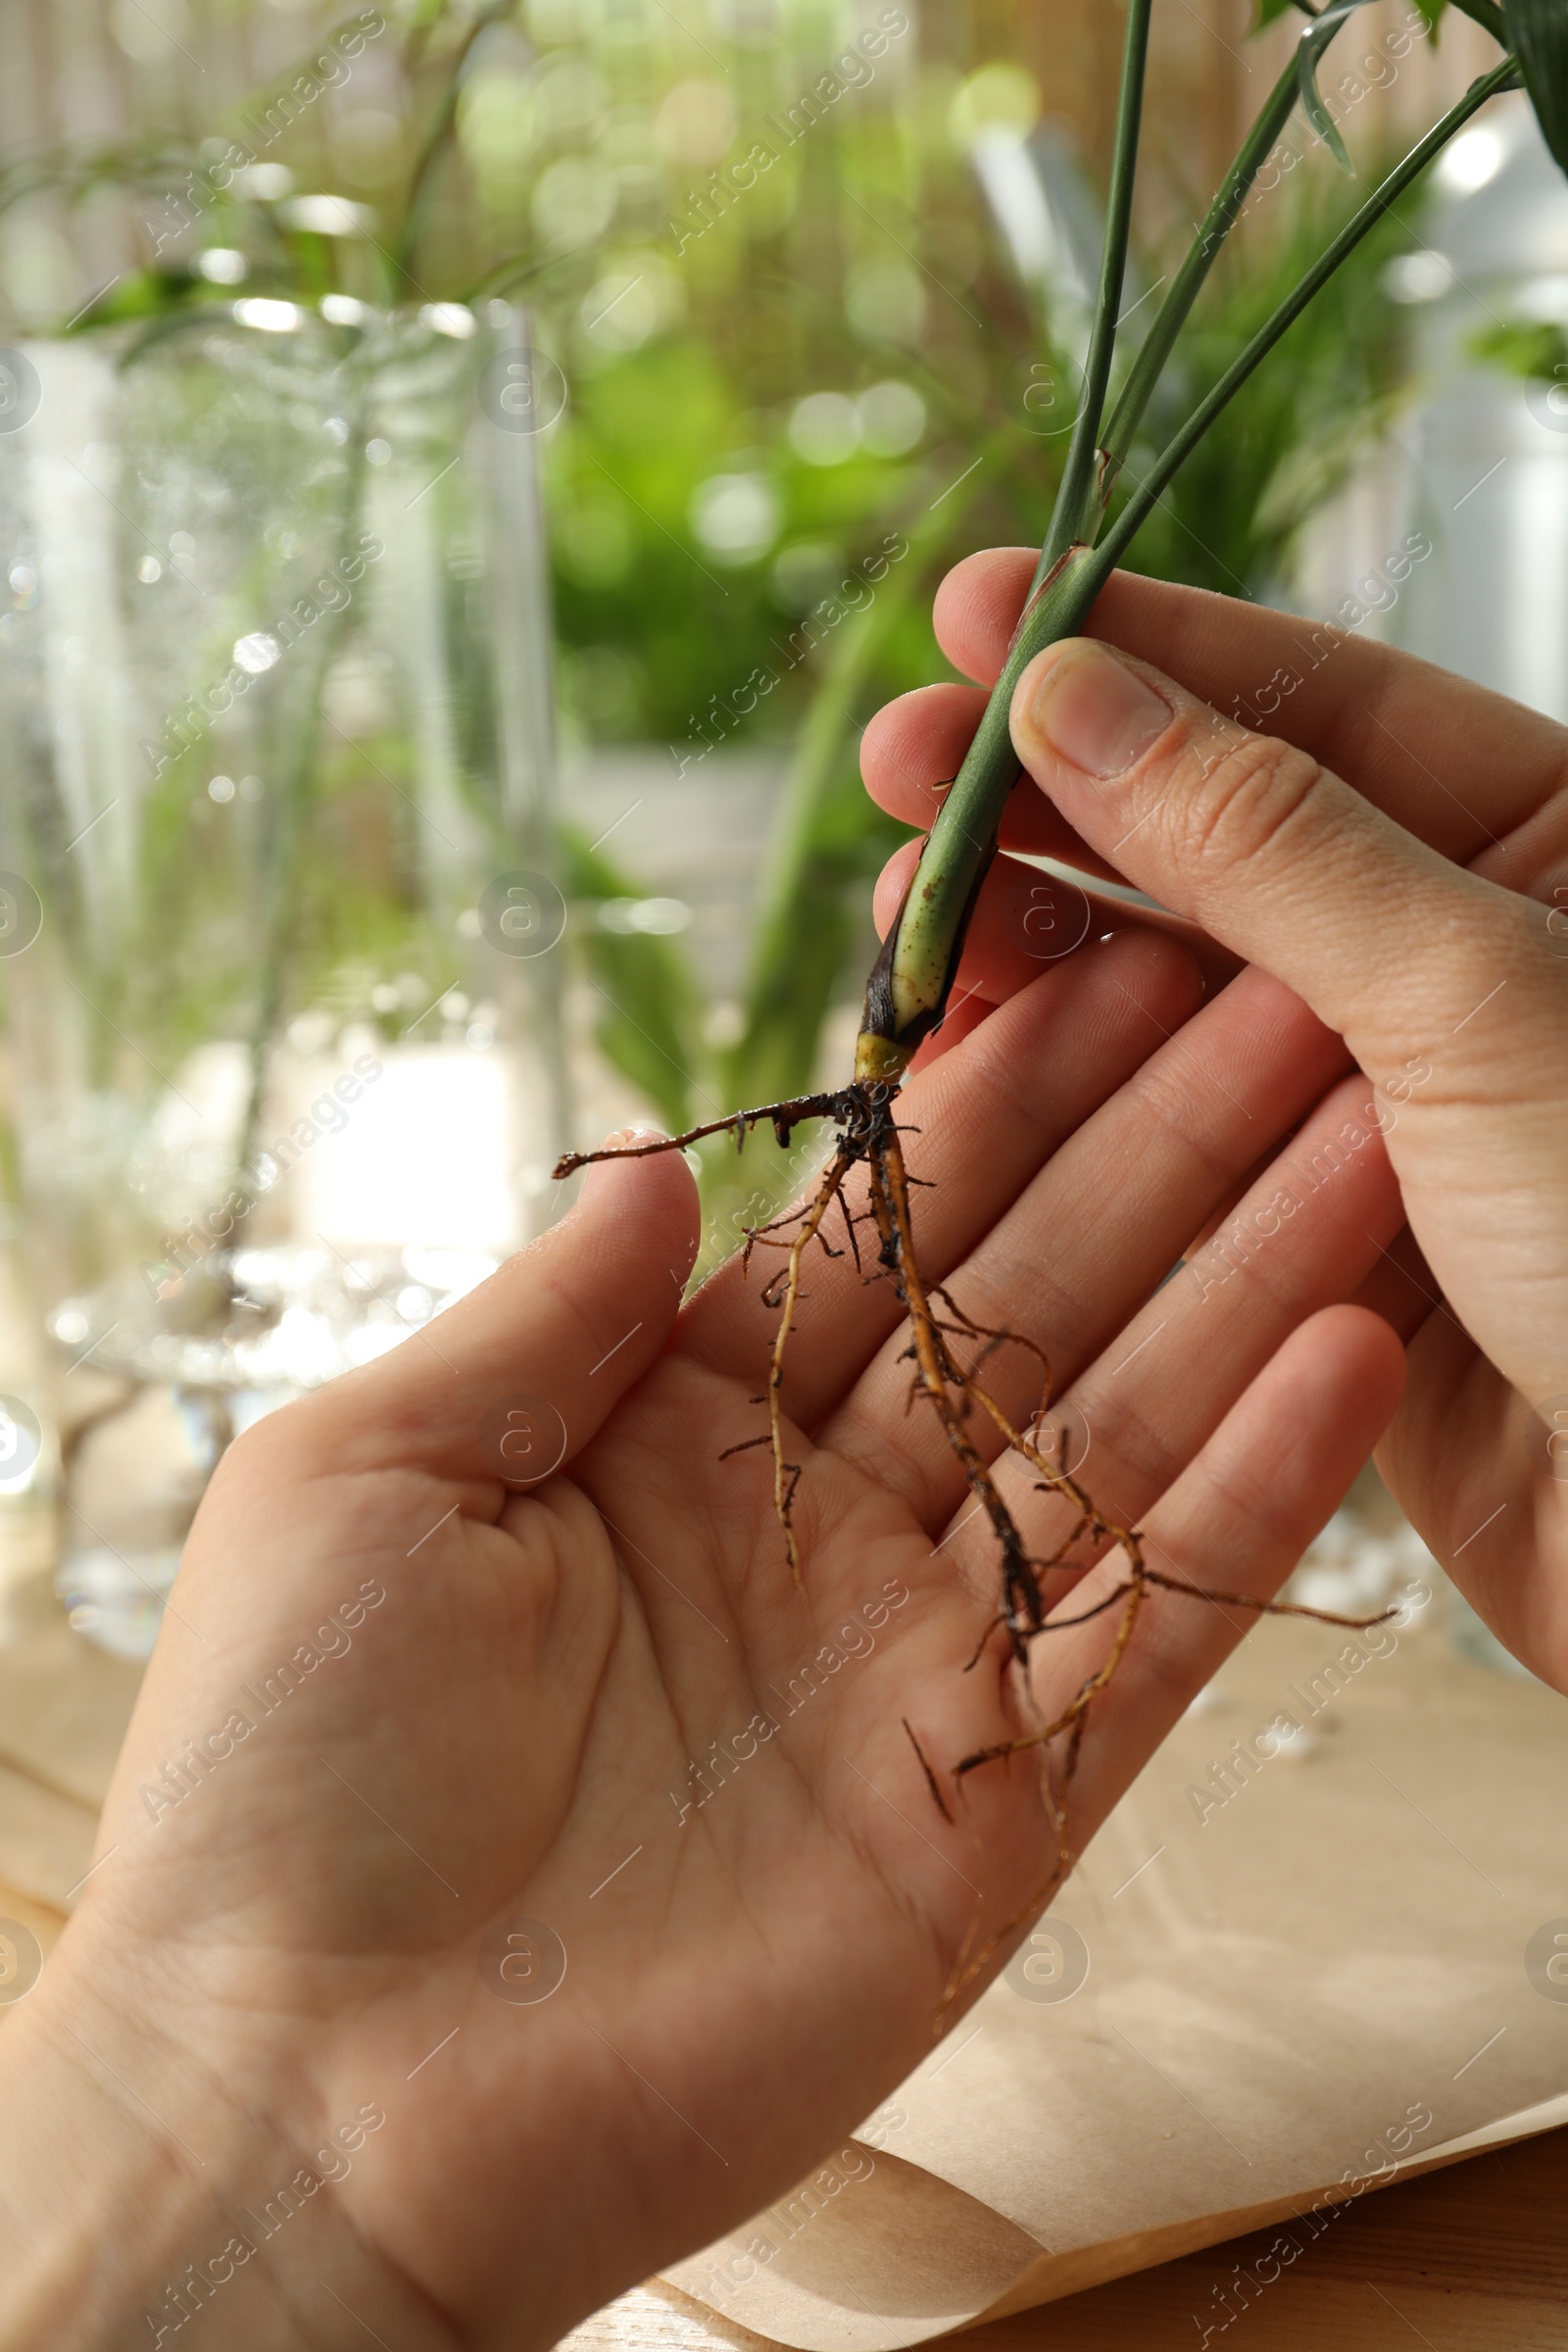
[[623, 1139], [1095, 714]]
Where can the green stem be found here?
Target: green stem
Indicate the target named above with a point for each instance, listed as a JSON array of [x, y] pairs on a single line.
[[1077, 491], [436, 143], [1153, 353], [1153, 486], [908, 990], [1156, 350], [774, 1053]]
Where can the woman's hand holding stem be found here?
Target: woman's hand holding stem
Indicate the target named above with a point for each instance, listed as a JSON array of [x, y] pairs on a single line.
[[1415, 910]]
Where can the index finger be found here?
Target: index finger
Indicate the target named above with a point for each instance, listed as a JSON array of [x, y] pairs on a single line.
[[1459, 766]]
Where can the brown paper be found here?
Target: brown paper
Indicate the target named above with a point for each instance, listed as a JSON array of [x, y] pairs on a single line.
[[1293, 1994], [858, 2274]]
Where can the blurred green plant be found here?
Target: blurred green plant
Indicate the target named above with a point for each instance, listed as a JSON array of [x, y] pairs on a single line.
[[796, 338], [658, 1046], [1231, 517], [1534, 348]]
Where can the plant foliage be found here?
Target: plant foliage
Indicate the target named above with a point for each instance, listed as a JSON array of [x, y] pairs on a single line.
[[1538, 32]]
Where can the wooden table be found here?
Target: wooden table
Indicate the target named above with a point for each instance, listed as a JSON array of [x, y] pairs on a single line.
[[1473, 2258]]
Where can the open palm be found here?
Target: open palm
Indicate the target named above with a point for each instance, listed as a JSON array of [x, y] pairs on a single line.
[[588, 1722]]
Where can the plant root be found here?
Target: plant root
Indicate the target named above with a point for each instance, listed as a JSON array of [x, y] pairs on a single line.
[[869, 1135]]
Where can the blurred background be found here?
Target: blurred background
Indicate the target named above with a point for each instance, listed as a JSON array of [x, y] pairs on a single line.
[[467, 473]]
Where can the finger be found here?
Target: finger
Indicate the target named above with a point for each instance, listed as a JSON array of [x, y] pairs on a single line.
[[1388, 941], [976, 609], [1026, 918], [963, 1019], [978, 1125], [554, 1340], [1237, 1520], [1302, 1239], [1144, 1368], [1444, 984], [1456, 765], [1402, 1288], [1477, 1469], [914, 748]]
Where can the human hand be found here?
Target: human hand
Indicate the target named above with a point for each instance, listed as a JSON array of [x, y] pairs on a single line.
[[1419, 908], [272, 2066]]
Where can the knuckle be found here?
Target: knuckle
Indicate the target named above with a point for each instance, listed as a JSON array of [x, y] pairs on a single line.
[[1233, 795]]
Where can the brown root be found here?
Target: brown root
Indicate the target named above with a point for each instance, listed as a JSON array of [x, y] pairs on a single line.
[[869, 1136], [931, 1781], [787, 1475]]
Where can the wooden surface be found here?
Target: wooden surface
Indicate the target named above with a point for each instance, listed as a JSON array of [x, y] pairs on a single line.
[[1473, 2258], [1470, 2259]]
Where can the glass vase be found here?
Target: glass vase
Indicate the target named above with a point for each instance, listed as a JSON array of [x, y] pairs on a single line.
[[277, 907]]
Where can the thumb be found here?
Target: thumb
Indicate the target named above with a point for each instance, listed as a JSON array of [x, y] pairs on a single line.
[[514, 1380], [1401, 952]]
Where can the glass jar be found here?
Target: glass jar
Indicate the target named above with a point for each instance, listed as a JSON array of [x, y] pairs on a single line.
[[277, 907]]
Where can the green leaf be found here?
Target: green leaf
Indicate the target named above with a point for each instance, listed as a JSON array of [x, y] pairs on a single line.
[[145, 294], [1430, 9], [1317, 114], [1485, 12], [1531, 348], [1314, 40], [1538, 37]]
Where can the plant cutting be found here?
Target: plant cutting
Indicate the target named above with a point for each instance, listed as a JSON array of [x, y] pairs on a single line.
[[912, 982], [199, 215]]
